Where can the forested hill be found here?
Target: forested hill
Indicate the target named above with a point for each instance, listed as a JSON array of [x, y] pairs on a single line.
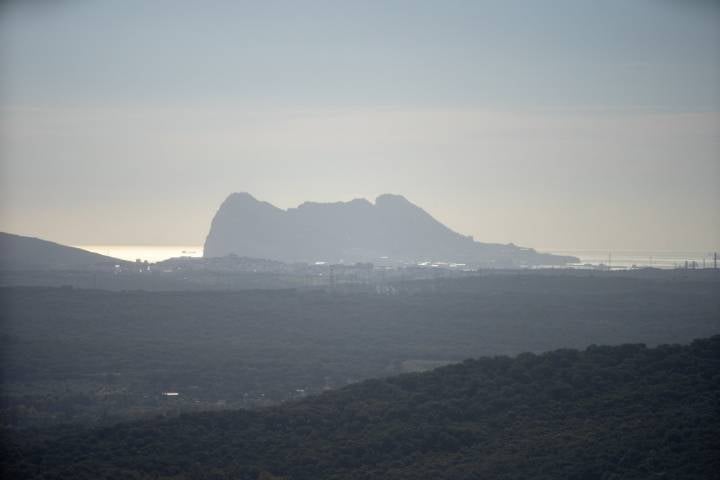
[[602, 413]]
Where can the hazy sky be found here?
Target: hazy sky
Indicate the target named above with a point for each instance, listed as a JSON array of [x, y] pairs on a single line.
[[564, 124]]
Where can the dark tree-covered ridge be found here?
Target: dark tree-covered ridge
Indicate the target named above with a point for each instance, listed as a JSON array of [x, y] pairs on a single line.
[[602, 413]]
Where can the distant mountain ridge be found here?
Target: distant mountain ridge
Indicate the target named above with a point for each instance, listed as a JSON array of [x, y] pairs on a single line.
[[27, 253], [354, 231]]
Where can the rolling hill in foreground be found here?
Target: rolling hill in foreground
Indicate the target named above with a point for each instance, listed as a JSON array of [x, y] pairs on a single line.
[[28, 253], [627, 412], [391, 229]]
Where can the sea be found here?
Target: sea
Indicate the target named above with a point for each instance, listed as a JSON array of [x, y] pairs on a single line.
[[621, 259], [151, 253]]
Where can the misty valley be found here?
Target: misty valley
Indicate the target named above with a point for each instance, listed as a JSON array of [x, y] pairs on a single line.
[[96, 357]]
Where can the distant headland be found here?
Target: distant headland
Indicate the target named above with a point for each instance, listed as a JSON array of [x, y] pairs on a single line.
[[392, 229]]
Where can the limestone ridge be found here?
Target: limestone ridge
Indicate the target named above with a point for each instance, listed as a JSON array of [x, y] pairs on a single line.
[[356, 231]]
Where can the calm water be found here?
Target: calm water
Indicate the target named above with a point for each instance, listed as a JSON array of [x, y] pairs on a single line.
[[617, 259], [151, 253], [639, 258]]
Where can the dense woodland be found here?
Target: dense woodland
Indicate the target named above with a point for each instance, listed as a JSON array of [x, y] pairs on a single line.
[[624, 412], [97, 357]]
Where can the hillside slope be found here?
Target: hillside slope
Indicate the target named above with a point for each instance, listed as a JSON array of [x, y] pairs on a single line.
[[602, 413], [28, 253]]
